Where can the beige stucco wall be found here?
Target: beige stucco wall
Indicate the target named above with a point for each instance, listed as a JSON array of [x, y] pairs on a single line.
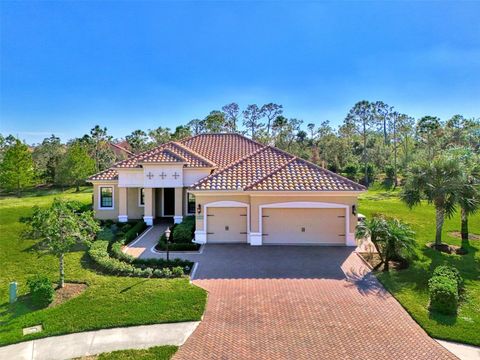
[[256, 200], [105, 214], [134, 211]]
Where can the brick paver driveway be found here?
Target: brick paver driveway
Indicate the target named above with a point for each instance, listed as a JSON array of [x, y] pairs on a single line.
[[299, 303]]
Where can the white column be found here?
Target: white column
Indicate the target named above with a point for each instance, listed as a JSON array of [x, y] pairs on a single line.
[[149, 207], [122, 204], [178, 216]]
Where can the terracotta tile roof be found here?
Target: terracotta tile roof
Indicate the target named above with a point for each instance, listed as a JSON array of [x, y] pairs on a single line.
[[245, 171], [301, 175], [222, 149], [240, 164]]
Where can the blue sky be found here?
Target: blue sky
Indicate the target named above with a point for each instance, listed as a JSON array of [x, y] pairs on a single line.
[[66, 66]]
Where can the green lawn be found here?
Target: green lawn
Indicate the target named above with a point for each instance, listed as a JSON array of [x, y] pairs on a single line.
[[108, 301], [410, 286], [154, 353]]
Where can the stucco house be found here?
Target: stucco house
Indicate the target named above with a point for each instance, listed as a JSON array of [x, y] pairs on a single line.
[[239, 190]]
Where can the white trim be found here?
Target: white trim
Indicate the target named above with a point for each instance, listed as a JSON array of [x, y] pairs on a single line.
[[308, 205], [139, 190], [255, 239], [200, 237], [100, 198], [177, 219], [122, 218], [148, 220], [226, 203]]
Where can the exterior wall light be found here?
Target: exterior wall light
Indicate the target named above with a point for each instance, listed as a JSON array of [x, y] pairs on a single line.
[[199, 209], [354, 209]]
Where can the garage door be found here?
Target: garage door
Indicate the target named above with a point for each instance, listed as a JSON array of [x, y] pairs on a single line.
[[304, 226], [227, 225]]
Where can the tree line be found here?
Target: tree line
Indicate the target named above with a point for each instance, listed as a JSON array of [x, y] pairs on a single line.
[[375, 142]]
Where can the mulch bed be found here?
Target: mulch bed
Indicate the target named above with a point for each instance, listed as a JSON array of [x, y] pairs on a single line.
[[447, 249], [471, 236], [68, 292], [373, 259]]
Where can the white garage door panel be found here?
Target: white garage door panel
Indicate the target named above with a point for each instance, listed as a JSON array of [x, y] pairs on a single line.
[[227, 225], [303, 226]]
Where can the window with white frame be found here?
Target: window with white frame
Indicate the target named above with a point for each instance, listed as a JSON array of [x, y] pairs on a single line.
[[141, 197], [106, 197], [190, 204]]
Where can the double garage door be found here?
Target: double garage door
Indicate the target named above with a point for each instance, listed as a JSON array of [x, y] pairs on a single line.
[[285, 226]]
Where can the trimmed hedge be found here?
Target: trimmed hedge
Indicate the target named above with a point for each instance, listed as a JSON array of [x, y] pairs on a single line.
[[443, 295], [132, 233], [162, 246], [100, 255], [451, 273]]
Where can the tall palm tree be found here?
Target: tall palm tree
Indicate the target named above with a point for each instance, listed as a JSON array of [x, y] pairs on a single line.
[[469, 195], [439, 182]]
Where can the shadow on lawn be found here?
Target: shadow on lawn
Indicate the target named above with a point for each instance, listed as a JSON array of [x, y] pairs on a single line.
[[128, 288]]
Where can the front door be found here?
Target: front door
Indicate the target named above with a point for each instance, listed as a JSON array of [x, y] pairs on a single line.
[[168, 201]]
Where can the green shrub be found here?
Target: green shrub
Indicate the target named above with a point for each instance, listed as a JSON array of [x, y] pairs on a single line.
[[443, 294], [177, 271], [162, 246], [41, 290], [450, 272], [106, 234], [116, 252], [131, 266], [136, 230], [351, 171]]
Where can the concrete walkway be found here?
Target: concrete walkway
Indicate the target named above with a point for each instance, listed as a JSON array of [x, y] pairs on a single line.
[[96, 342], [146, 241], [462, 351]]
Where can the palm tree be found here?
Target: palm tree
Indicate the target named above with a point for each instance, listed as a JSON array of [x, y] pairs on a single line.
[[392, 238], [439, 182], [399, 241], [469, 194]]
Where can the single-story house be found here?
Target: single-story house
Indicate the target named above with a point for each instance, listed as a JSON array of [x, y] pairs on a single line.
[[239, 190]]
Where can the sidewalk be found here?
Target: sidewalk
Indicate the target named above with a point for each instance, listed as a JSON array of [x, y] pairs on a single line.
[[462, 351], [96, 342], [148, 239]]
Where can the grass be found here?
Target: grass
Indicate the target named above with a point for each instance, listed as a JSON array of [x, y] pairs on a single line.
[[109, 301], [153, 353], [410, 286]]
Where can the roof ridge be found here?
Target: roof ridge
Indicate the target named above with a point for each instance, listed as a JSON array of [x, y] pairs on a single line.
[[122, 148], [273, 172], [224, 133], [193, 152], [222, 170]]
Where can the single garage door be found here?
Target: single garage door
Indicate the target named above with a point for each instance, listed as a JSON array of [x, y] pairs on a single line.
[[304, 226], [226, 225]]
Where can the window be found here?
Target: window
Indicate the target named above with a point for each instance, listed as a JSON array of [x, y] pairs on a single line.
[[190, 203], [106, 197], [141, 197]]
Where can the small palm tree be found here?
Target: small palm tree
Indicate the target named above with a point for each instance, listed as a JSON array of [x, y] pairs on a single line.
[[399, 241], [373, 229], [439, 182], [392, 238]]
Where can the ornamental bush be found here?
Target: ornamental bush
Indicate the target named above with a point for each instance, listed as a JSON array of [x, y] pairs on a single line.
[[443, 295], [41, 290], [106, 234], [136, 230], [450, 272]]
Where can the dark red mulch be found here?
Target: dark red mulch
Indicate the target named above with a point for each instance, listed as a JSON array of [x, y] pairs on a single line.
[[69, 291], [374, 260], [447, 249]]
